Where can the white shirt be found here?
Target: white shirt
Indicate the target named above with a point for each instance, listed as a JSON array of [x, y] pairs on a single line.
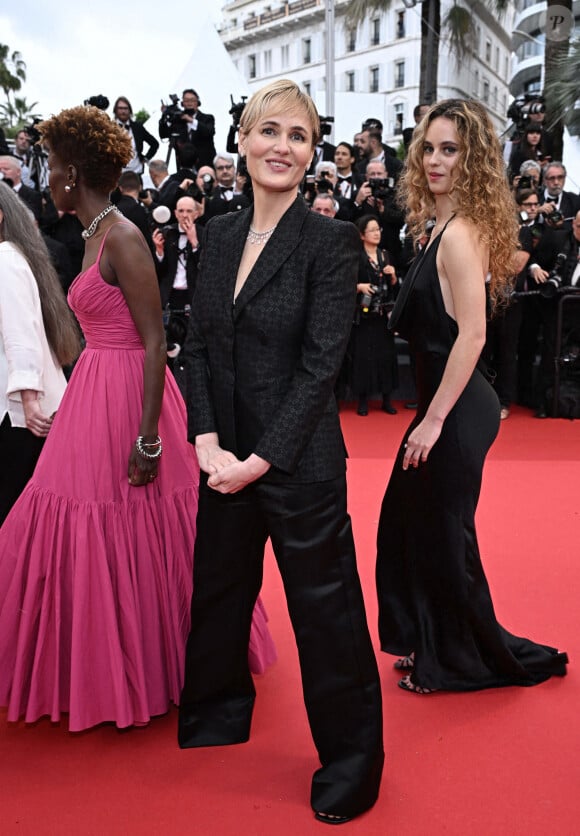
[[26, 360]]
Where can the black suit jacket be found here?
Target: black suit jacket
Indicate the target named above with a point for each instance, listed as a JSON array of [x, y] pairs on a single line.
[[143, 137], [32, 199], [202, 138], [261, 371], [167, 268]]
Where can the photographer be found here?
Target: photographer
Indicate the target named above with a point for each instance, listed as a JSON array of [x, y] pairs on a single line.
[[377, 197], [530, 147], [528, 177], [188, 125], [372, 352], [129, 188], [503, 328], [375, 150], [123, 113], [177, 252], [555, 271], [557, 204], [227, 195]]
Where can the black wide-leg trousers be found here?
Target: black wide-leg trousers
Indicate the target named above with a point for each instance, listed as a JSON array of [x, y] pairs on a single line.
[[312, 540]]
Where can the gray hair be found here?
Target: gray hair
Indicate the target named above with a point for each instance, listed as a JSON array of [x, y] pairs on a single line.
[[530, 165], [325, 165], [223, 155]]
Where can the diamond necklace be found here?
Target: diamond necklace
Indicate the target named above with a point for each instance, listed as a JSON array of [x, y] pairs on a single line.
[[259, 237], [92, 227]]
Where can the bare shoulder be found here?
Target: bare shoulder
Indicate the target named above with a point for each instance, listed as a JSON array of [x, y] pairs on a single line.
[[461, 234], [124, 234]]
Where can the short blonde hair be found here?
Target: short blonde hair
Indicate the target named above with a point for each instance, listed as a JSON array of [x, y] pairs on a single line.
[[283, 95]]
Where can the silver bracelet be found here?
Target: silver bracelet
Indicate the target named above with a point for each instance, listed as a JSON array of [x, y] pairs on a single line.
[[141, 445]]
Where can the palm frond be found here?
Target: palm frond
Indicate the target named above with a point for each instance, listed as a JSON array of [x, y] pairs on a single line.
[[358, 10], [458, 24]]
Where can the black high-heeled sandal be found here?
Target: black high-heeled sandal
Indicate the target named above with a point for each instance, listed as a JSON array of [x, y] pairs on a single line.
[[407, 663], [406, 684]]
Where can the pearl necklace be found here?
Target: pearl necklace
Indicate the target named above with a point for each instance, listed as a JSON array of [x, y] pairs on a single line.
[[259, 237], [92, 227]]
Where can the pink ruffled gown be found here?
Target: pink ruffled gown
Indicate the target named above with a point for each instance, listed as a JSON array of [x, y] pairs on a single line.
[[96, 575]]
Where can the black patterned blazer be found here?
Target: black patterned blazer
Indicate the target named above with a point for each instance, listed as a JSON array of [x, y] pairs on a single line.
[[261, 371]]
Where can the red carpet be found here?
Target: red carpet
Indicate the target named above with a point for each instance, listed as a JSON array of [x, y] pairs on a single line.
[[494, 763]]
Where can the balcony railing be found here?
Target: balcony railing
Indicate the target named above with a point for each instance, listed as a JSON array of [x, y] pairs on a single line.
[[286, 10]]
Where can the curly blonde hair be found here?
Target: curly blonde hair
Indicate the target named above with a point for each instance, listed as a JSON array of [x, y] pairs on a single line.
[[480, 188], [87, 138]]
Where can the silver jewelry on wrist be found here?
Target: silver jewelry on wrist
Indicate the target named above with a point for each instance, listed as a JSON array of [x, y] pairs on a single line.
[[149, 450]]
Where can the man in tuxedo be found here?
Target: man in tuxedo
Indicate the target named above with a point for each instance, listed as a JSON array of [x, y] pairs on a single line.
[[225, 197], [123, 113], [177, 252], [553, 197], [10, 168], [190, 126], [128, 203], [381, 202], [375, 151], [554, 242]]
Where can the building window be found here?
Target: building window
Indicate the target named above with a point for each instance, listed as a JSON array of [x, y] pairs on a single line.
[[268, 61], [485, 95], [476, 83], [307, 87], [477, 39], [349, 78], [488, 52], [399, 116], [306, 50], [252, 68], [496, 64], [374, 80], [399, 73], [375, 31], [285, 56], [505, 66], [400, 28], [351, 40]]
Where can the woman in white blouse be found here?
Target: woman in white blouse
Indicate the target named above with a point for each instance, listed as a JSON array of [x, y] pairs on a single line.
[[38, 335]]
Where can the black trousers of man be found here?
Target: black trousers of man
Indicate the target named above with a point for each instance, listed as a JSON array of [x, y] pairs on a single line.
[[312, 540], [19, 452]]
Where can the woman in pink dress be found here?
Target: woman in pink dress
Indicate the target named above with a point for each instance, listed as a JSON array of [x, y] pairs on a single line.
[[96, 556]]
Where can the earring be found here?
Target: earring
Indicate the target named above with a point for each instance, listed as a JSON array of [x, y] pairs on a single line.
[[69, 188]]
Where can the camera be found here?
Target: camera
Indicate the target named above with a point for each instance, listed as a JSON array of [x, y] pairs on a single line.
[[523, 107], [208, 182], [380, 300], [323, 184], [525, 182], [381, 187], [554, 217], [326, 123], [99, 101], [32, 131], [160, 216], [237, 109], [172, 114], [554, 281]]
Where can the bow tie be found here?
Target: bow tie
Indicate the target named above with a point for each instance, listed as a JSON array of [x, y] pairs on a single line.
[[551, 200], [125, 125], [345, 179]]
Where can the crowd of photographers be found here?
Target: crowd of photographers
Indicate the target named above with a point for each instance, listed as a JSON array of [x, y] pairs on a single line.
[[353, 181]]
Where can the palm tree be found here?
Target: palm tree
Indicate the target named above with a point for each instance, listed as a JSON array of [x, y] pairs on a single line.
[[457, 26], [12, 71]]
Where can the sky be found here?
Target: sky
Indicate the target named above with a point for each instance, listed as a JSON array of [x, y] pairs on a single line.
[[74, 50]]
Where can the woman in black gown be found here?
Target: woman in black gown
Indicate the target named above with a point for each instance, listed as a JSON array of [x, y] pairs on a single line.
[[435, 607]]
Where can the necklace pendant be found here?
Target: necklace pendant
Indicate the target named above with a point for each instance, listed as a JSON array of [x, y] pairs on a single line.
[[259, 237]]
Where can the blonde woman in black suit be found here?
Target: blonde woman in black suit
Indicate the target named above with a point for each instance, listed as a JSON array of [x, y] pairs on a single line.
[[270, 322]]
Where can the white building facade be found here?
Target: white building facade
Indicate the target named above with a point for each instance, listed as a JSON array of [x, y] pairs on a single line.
[[376, 67]]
